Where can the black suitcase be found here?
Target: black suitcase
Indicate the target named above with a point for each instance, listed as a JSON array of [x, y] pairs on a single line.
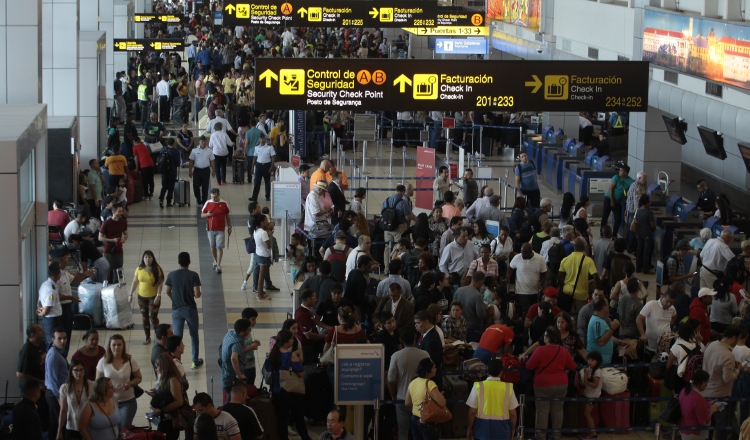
[[455, 387], [182, 193], [238, 170], [266, 412], [82, 321], [318, 394], [347, 141], [388, 423]]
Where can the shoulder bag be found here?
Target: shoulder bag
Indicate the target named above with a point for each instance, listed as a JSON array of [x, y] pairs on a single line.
[[634, 224], [291, 382], [430, 411], [329, 355], [137, 390]]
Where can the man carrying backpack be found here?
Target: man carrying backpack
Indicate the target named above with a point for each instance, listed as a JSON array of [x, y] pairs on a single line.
[[167, 164], [526, 180], [337, 255], [395, 217]]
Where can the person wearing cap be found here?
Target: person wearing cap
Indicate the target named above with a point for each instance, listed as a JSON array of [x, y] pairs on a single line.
[[90, 256], [317, 218], [615, 196], [699, 311], [674, 268], [550, 296], [201, 165], [263, 160]]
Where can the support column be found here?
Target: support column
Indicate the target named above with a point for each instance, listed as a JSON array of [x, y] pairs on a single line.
[[107, 24], [568, 121], [20, 48], [650, 148], [91, 58], [89, 16], [123, 25], [60, 56]]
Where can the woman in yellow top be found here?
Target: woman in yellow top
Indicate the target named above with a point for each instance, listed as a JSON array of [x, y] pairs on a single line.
[[149, 279], [418, 387]]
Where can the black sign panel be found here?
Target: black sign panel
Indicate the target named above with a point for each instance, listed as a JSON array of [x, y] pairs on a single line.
[[137, 44], [331, 13], [158, 18], [459, 16], [368, 84]]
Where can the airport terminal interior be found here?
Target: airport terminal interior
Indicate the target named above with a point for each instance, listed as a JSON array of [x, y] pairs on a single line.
[[682, 117]]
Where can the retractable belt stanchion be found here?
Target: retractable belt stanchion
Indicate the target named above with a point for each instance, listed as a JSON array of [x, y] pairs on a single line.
[[403, 165], [390, 160]]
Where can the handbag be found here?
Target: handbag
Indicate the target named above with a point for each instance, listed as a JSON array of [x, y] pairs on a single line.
[[672, 413], [250, 245], [430, 411], [329, 355], [137, 390], [291, 382], [634, 224]]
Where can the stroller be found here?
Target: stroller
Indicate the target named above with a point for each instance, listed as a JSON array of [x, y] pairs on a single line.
[[180, 109]]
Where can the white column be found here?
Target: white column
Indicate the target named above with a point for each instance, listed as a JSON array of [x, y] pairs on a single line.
[[107, 24], [91, 55], [122, 25], [89, 15], [650, 148], [568, 121], [20, 49], [60, 56]]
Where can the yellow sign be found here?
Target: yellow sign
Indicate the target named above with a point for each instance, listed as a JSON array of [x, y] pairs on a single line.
[[315, 14], [555, 87], [292, 81], [386, 15], [472, 31], [243, 10], [425, 86]]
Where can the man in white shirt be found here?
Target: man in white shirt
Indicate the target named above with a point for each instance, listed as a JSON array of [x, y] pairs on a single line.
[[64, 289], [441, 184], [365, 242], [263, 164], [478, 204], [239, 30], [162, 89], [201, 165], [287, 37], [458, 255], [50, 308], [317, 218], [531, 271], [715, 255], [659, 316], [225, 125]]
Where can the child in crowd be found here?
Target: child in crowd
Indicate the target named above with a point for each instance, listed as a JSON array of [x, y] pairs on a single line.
[[122, 192], [295, 252], [592, 378]]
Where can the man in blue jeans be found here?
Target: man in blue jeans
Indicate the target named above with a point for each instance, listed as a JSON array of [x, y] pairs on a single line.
[[183, 287]]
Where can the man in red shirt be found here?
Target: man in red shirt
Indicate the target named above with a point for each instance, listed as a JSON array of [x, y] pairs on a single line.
[[550, 296], [217, 213], [114, 233], [496, 340], [307, 328], [145, 165], [57, 217]]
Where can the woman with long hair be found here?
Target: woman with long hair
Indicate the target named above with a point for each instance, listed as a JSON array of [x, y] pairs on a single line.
[[723, 210], [724, 307], [172, 395], [580, 208], [308, 270], [280, 358], [481, 235], [568, 337], [421, 229], [74, 394], [621, 287], [100, 416], [567, 210], [149, 280], [360, 226], [125, 374], [696, 410], [437, 225], [683, 345], [347, 332], [419, 388], [90, 353], [356, 205]]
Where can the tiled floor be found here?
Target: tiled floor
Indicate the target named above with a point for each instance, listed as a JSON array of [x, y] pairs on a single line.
[[169, 231]]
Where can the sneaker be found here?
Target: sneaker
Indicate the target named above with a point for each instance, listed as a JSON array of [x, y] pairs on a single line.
[[272, 288], [169, 205], [244, 286], [292, 433], [218, 269], [215, 265], [197, 364]]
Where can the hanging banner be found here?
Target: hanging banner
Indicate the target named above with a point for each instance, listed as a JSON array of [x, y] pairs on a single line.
[[425, 168]]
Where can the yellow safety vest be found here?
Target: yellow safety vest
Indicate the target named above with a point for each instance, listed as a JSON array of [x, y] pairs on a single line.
[[493, 399], [142, 92], [618, 122]]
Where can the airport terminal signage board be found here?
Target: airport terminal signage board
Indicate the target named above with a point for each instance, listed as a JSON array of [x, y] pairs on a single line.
[[370, 84], [468, 46], [138, 44], [332, 13], [158, 18]]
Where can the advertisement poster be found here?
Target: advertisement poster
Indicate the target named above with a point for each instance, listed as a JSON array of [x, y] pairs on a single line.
[[714, 50], [425, 168], [524, 13]]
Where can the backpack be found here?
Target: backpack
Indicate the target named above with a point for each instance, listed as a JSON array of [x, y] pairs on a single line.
[[510, 362], [390, 217], [338, 262], [693, 361], [555, 256], [614, 381], [662, 346], [531, 225], [164, 162], [737, 269]]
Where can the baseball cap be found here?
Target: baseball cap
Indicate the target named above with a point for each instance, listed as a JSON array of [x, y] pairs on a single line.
[[321, 185], [683, 245], [550, 292], [340, 234], [706, 292], [203, 138]]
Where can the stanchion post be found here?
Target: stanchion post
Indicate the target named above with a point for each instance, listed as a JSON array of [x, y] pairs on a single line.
[[377, 417], [367, 187], [520, 417], [403, 165], [520, 136], [481, 135], [390, 160], [364, 154], [657, 430], [447, 146], [285, 228]]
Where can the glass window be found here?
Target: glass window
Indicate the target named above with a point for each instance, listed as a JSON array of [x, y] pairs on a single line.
[[26, 178]]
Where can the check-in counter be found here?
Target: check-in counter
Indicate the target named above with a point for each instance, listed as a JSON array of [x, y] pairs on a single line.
[[594, 184], [573, 177], [550, 163], [561, 164], [539, 152], [578, 150]]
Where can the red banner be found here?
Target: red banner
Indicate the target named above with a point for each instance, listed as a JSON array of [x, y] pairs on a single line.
[[425, 168]]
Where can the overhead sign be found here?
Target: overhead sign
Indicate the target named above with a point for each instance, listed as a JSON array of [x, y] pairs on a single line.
[[468, 46], [438, 31], [331, 13], [158, 18], [365, 127], [370, 84], [137, 45], [360, 369], [459, 16]]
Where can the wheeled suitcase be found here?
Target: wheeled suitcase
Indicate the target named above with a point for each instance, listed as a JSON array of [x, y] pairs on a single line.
[[130, 195], [266, 413], [118, 313], [318, 394], [182, 193], [137, 191], [141, 433], [238, 170], [617, 412], [347, 141], [82, 322], [90, 294], [455, 387]]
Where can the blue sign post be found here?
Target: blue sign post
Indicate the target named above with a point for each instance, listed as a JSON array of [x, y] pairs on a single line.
[[468, 46], [359, 373]]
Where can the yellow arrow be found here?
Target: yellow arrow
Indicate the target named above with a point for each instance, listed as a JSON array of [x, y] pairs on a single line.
[[402, 80], [374, 13], [269, 76], [230, 7], [536, 84], [302, 12]]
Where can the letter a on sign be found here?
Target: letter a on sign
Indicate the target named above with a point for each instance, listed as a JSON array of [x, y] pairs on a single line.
[[363, 77]]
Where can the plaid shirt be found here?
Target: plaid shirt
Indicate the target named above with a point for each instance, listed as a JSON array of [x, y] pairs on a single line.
[[631, 204], [455, 329], [675, 266], [490, 271]]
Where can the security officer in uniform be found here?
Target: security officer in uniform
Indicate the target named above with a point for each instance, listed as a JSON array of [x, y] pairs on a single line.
[[50, 308], [144, 103], [617, 124], [201, 160], [263, 164], [65, 291], [492, 407]]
